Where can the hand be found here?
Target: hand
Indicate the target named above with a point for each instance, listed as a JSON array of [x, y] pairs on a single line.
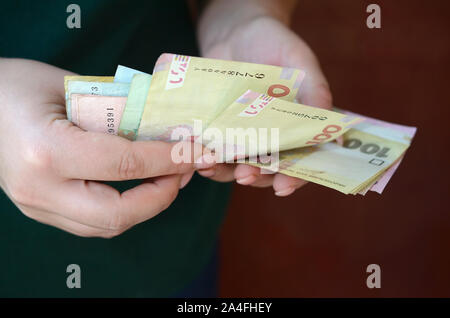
[[266, 40], [46, 163]]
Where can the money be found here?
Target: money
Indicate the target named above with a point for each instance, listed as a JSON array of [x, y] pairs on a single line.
[[98, 113], [94, 88], [409, 132], [69, 78], [88, 111], [249, 122], [119, 85], [134, 108], [125, 74], [185, 88], [224, 95], [379, 184], [369, 150]]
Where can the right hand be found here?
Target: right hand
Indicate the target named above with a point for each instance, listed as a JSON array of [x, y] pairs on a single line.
[[46, 163]]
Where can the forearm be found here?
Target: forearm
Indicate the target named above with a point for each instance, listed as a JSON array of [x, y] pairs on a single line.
[[221, 17]]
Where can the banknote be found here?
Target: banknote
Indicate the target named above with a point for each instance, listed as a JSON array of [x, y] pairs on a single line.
[[98, 88], [125, 74], [134, 108], [84, 78], [368, 151], [95, 88], [379, 184], [98, 113], [383, 180], [185, 88], [69, 78], [260, 124], [224, 95]]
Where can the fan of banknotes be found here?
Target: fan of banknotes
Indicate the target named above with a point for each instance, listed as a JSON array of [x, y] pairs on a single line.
[[206, 100]]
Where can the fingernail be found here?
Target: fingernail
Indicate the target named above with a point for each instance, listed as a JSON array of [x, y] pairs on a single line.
[[185, 180], [247, 180], [285, 192], [208, 173], [204, 162]]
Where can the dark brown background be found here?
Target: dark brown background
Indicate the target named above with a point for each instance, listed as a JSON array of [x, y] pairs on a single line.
[[318, 242]]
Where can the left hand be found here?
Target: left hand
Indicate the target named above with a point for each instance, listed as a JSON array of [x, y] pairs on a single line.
[[265, 40]]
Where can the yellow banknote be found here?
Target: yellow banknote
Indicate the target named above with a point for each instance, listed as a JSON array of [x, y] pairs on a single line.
[[252, 101], [184, 89], [368, 151], [260, 124]]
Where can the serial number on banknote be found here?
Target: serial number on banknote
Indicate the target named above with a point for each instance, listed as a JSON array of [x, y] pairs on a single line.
[[110, 120]]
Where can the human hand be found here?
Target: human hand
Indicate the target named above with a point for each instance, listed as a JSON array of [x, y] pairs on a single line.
[[266, 40], [47, 163]]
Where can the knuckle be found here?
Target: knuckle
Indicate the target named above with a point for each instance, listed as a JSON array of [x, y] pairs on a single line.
[[37, 155], [118, 223], [131, 165], [177, 157], [179, 167], [20, 183]]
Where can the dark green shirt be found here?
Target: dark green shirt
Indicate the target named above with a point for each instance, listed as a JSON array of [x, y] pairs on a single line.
[[156, 258]]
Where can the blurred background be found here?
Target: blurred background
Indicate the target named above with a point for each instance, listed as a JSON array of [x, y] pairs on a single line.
[[318, 242]]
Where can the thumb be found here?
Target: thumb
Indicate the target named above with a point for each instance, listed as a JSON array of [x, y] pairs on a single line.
[[314, 90], [316, 93]]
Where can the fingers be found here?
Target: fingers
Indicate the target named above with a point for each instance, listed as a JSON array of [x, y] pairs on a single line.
[[102, 207], [185, 178], [314, 90], [249, 175], [220, 172], [79, 154], [146, 200], [284, 185], [316, 93], [63, 223]]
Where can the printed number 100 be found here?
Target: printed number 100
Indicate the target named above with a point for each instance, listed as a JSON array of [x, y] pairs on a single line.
[[369, 148]]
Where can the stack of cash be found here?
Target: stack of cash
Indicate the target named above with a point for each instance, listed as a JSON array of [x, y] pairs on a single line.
[[209, 100]]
